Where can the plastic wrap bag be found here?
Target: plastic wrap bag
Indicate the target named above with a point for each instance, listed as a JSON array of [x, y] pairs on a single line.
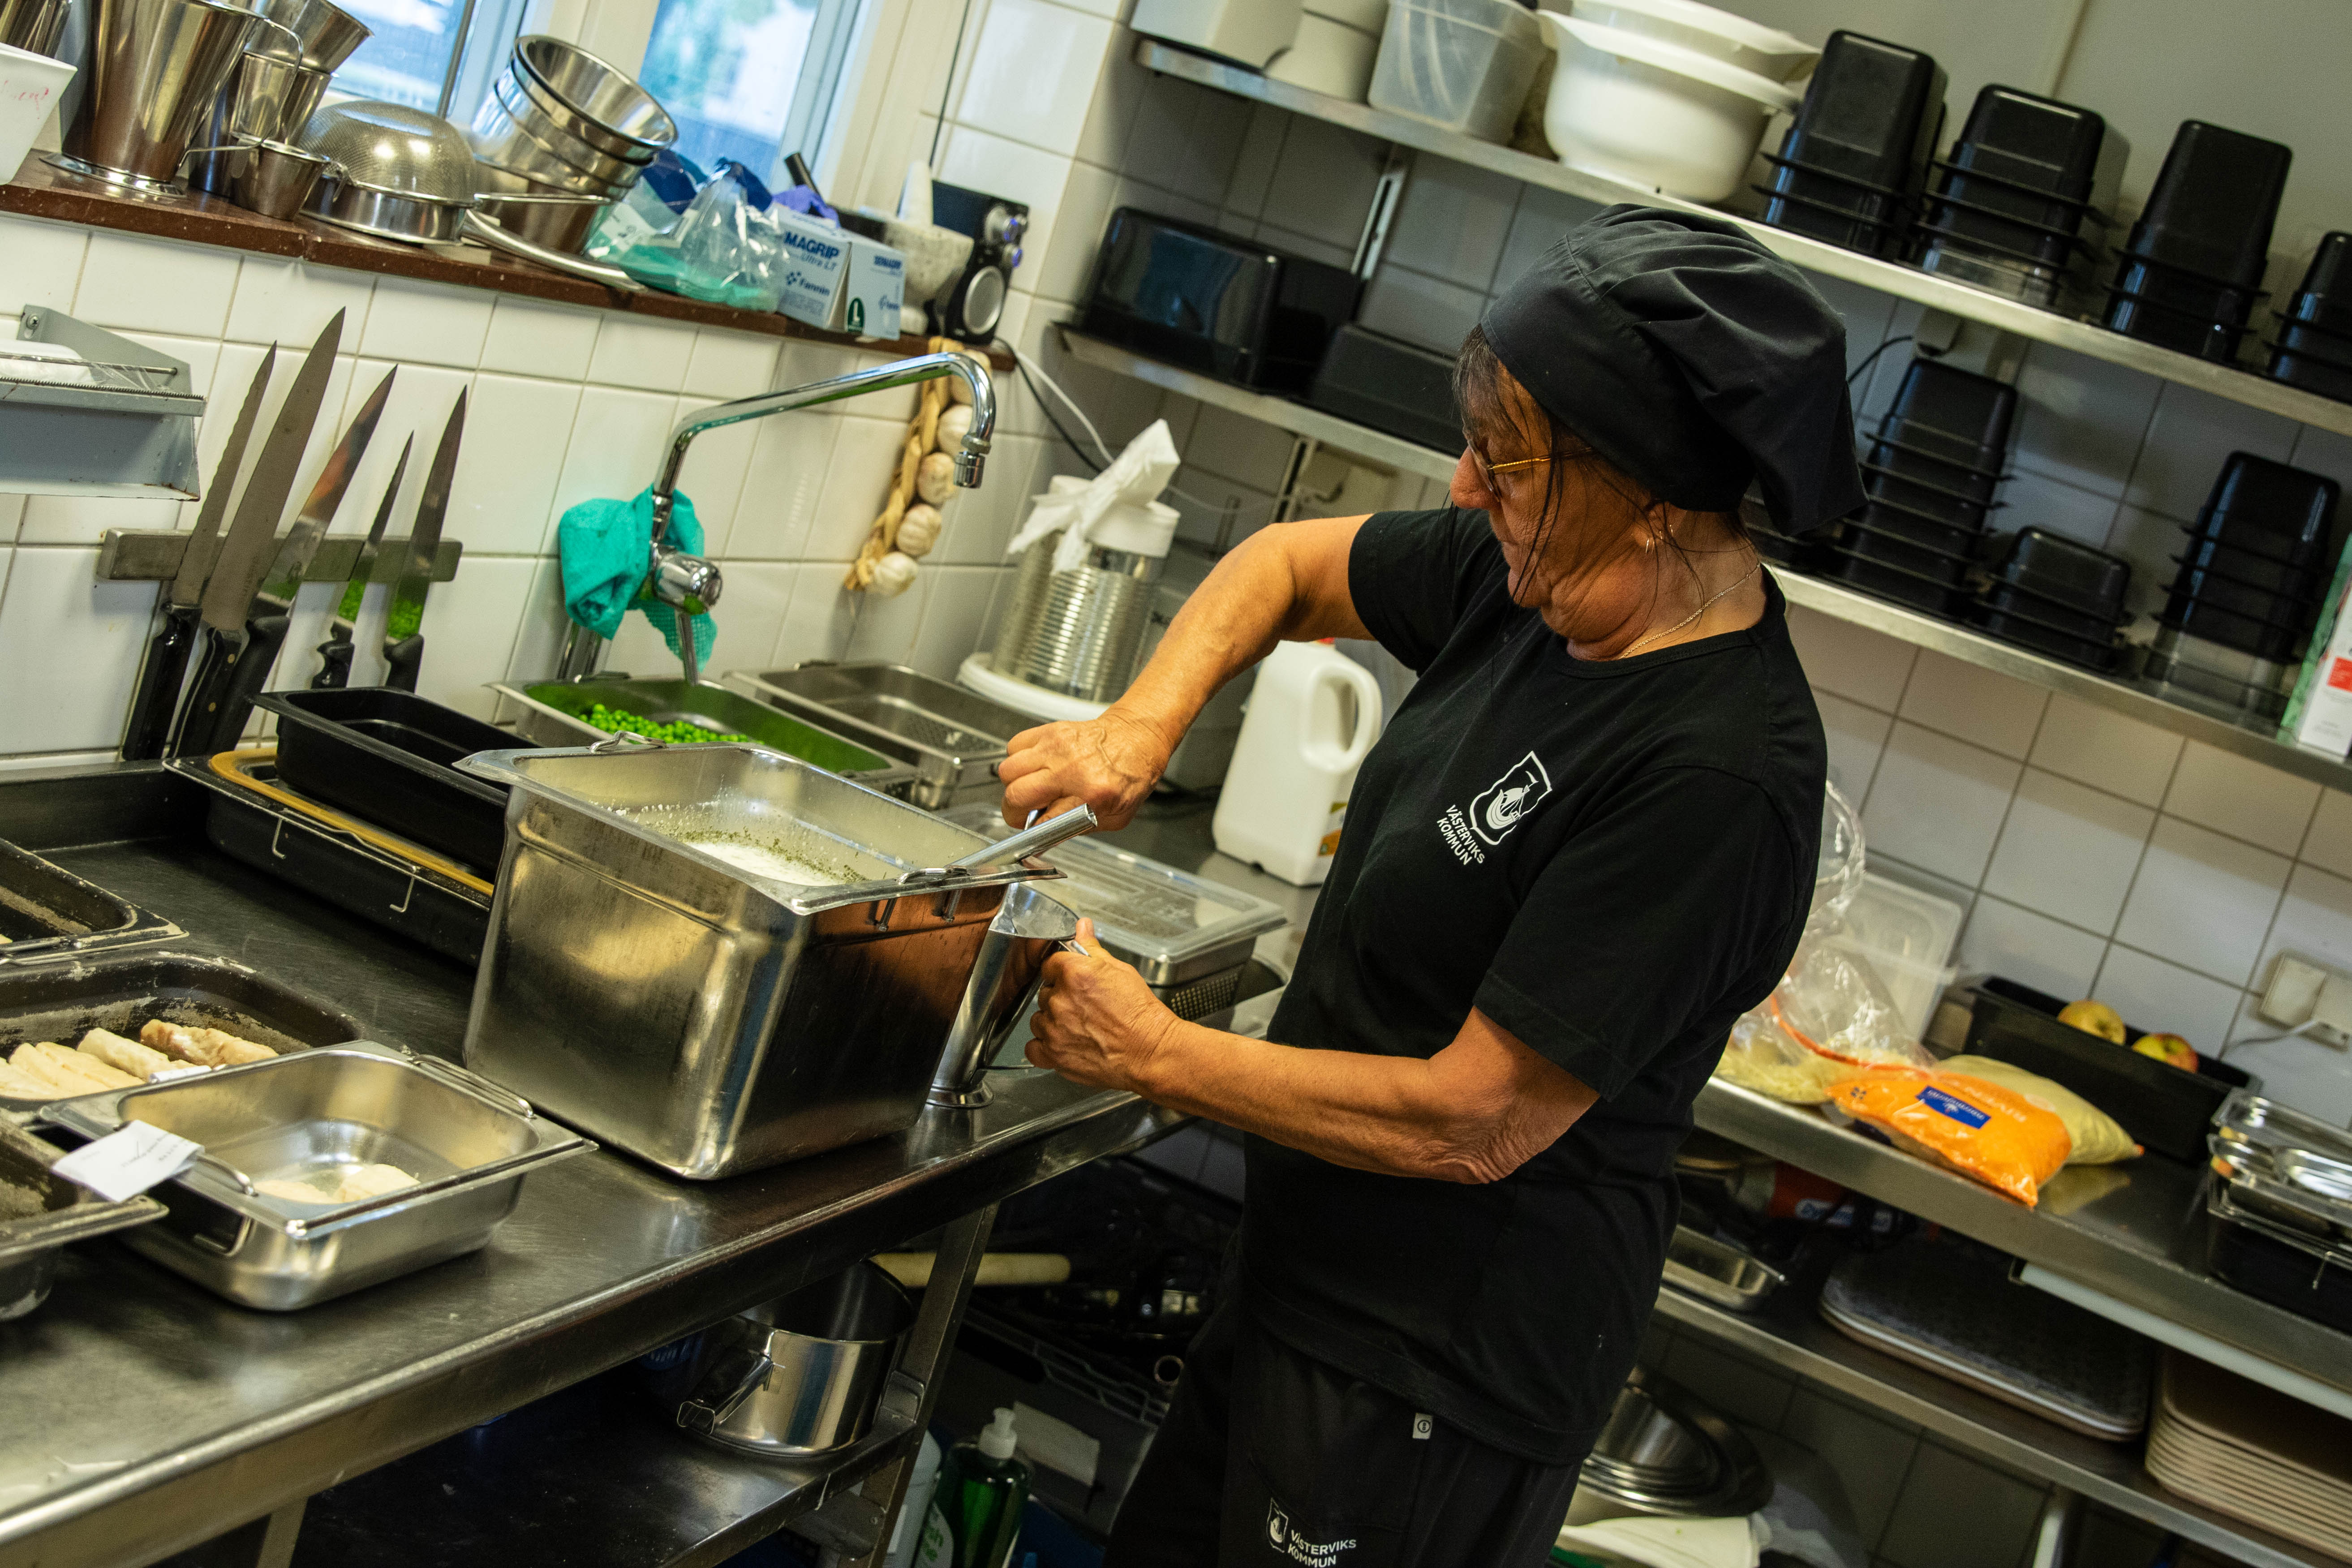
[[1999, 1136], [1831, 1014], [726, 246]]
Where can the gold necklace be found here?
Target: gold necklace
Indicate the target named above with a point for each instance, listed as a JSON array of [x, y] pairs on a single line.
[[1695, 614]]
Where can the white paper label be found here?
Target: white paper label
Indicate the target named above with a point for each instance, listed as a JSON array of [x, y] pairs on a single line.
[[126, 1163]]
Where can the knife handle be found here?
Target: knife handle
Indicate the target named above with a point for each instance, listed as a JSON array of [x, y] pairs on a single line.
[[402, 657], [215, 659], [158, 692], [334, 664], [264, 636]]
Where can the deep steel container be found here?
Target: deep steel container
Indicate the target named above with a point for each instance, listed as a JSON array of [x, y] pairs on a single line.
[[954, 738], [47, 913], [801, 1375], [468, 1142], [708, 1017]]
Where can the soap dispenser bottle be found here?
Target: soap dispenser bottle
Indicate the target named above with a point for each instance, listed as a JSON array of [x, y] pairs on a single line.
[[991, 1489]]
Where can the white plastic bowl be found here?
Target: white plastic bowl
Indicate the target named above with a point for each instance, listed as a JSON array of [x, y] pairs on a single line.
[[1647, 111], [29, 86], [1718, 34]]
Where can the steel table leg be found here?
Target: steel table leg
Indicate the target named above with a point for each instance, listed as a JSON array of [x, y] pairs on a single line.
[[914, 1387]]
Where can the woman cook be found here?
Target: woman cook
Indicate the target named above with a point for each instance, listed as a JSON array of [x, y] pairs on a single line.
[[1584, 845]]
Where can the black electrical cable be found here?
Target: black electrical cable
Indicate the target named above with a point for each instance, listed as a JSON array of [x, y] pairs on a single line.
[[1872, 359], [1046, 406]]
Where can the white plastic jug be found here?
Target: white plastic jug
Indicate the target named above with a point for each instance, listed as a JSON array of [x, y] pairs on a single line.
[[1312, 717]]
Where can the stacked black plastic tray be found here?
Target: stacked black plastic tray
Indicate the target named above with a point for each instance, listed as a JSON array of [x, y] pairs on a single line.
[[2019, 207], [2056, 596], [1930, 473], [2314, 346], [1851, 168], [2188, 276], [2256, 564]]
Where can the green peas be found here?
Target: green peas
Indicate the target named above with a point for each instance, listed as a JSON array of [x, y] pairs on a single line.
[[679, 732]]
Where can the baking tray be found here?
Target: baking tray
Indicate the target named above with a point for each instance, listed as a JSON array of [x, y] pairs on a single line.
[[121, 993], [421, 896], [41, 1212], [2165, 1109], [46, 914], [554, 713], [1948, 1306], [953, 737], [384, 755]]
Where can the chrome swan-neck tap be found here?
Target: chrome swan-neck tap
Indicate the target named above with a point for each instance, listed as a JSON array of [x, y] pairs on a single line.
[[690, 585]]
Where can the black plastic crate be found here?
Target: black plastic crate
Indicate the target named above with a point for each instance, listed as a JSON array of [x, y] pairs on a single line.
[[2066, 570], [2317, 376], [1998, 615], [2272, 509], [1855, 217], [2257, 606], [2315, 342], [1953, 413], [2024, 142], [2183, 332], [383, 756], [2213, 204], [1852, 164], [2165, 1108], [2279, 1272], [1927, 530], [1947, 493], [2253, 568], [1936, 596]]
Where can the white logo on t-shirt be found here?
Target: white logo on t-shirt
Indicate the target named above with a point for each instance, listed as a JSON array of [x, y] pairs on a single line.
[[1506, 801]]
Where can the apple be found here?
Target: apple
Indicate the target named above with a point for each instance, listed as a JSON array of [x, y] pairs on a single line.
[[2170, 1048], [2094, 1017]]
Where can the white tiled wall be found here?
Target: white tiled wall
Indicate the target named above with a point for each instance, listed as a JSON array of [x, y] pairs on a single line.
[[565, 405]]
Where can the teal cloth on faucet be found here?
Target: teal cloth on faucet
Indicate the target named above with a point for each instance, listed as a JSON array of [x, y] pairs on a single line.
[[604, 548]]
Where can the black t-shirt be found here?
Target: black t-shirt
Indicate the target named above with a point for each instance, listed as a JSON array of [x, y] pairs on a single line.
[[1611, 859]]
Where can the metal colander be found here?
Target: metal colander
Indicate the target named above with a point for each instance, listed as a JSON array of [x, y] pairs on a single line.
[[392, 147]]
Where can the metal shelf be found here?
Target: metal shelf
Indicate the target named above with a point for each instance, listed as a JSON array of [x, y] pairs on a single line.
[[2127, 1233], [2258, 743], [1886, 276], [594, 1477], [1788, 1334], [1388, 450]]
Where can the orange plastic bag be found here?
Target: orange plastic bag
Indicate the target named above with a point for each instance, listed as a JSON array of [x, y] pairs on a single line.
[[1980, 1129]]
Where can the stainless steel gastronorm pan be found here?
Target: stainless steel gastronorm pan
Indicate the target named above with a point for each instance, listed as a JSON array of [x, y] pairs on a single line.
[[954, 738], [47, 912], [468, 1142], [41, 1212], [708, 1017], [1715, 1271]]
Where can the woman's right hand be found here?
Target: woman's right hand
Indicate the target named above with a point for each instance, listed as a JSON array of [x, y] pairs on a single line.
[[1110, 764]]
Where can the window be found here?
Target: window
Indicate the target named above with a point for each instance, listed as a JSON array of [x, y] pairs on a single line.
[[748, 80], [437, 55]]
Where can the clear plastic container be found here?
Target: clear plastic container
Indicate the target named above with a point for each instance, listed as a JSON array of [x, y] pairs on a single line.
[[1464, 65], [1907, 937]]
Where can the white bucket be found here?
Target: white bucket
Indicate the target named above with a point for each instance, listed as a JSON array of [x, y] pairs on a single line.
[[1654, 113], [31, 85], [1704, 30]]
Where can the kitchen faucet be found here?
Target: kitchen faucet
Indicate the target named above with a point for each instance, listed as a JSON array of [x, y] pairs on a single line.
[[689, 583]]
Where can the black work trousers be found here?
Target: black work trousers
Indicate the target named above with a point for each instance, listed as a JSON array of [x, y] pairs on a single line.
[[1271, 1458]]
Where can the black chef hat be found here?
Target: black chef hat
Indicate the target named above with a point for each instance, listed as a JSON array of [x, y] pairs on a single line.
[[1692, 358]]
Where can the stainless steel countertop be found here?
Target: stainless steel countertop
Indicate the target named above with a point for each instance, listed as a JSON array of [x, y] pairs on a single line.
[[144, 1415]]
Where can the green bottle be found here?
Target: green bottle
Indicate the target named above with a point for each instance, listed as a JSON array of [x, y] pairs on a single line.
[[992, 1487]]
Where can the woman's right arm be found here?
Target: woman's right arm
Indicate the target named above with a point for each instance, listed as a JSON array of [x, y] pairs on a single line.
[[1285, 583]]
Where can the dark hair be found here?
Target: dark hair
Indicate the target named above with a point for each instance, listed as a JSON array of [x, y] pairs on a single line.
[[1478, 380]]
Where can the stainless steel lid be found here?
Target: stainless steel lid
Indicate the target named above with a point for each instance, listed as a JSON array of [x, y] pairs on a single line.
[[391, 148]]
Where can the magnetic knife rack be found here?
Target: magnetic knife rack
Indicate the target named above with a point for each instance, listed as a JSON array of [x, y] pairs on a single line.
[[139, 555]]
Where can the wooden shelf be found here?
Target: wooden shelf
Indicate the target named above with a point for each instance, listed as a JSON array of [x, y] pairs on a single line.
[[2253, 739], [1886, 276], [40, 190]]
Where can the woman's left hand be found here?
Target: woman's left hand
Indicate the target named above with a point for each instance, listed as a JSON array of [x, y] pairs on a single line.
[[1097, 1022]]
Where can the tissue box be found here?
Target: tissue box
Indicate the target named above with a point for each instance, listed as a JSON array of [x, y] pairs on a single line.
[[819, 265], [873, 290]]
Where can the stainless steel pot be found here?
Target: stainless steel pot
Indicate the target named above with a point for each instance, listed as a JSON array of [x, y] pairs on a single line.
[[469, 1142], [512, 133], [552, 220], [309, 33], [154, 70], [719, 957], [801, 1375], [401, 174], [34, 25], [266, 99], [1661, 1451]]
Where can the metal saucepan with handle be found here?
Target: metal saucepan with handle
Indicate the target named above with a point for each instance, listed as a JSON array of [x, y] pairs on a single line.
[[401, 174]]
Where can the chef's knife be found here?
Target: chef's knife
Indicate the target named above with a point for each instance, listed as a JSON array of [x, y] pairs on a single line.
[[272, 609], [335, 653], [403, 643], [245, 553], [167, 656]]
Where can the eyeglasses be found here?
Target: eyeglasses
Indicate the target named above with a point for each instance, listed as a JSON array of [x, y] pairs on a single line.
[[1488, 470]]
